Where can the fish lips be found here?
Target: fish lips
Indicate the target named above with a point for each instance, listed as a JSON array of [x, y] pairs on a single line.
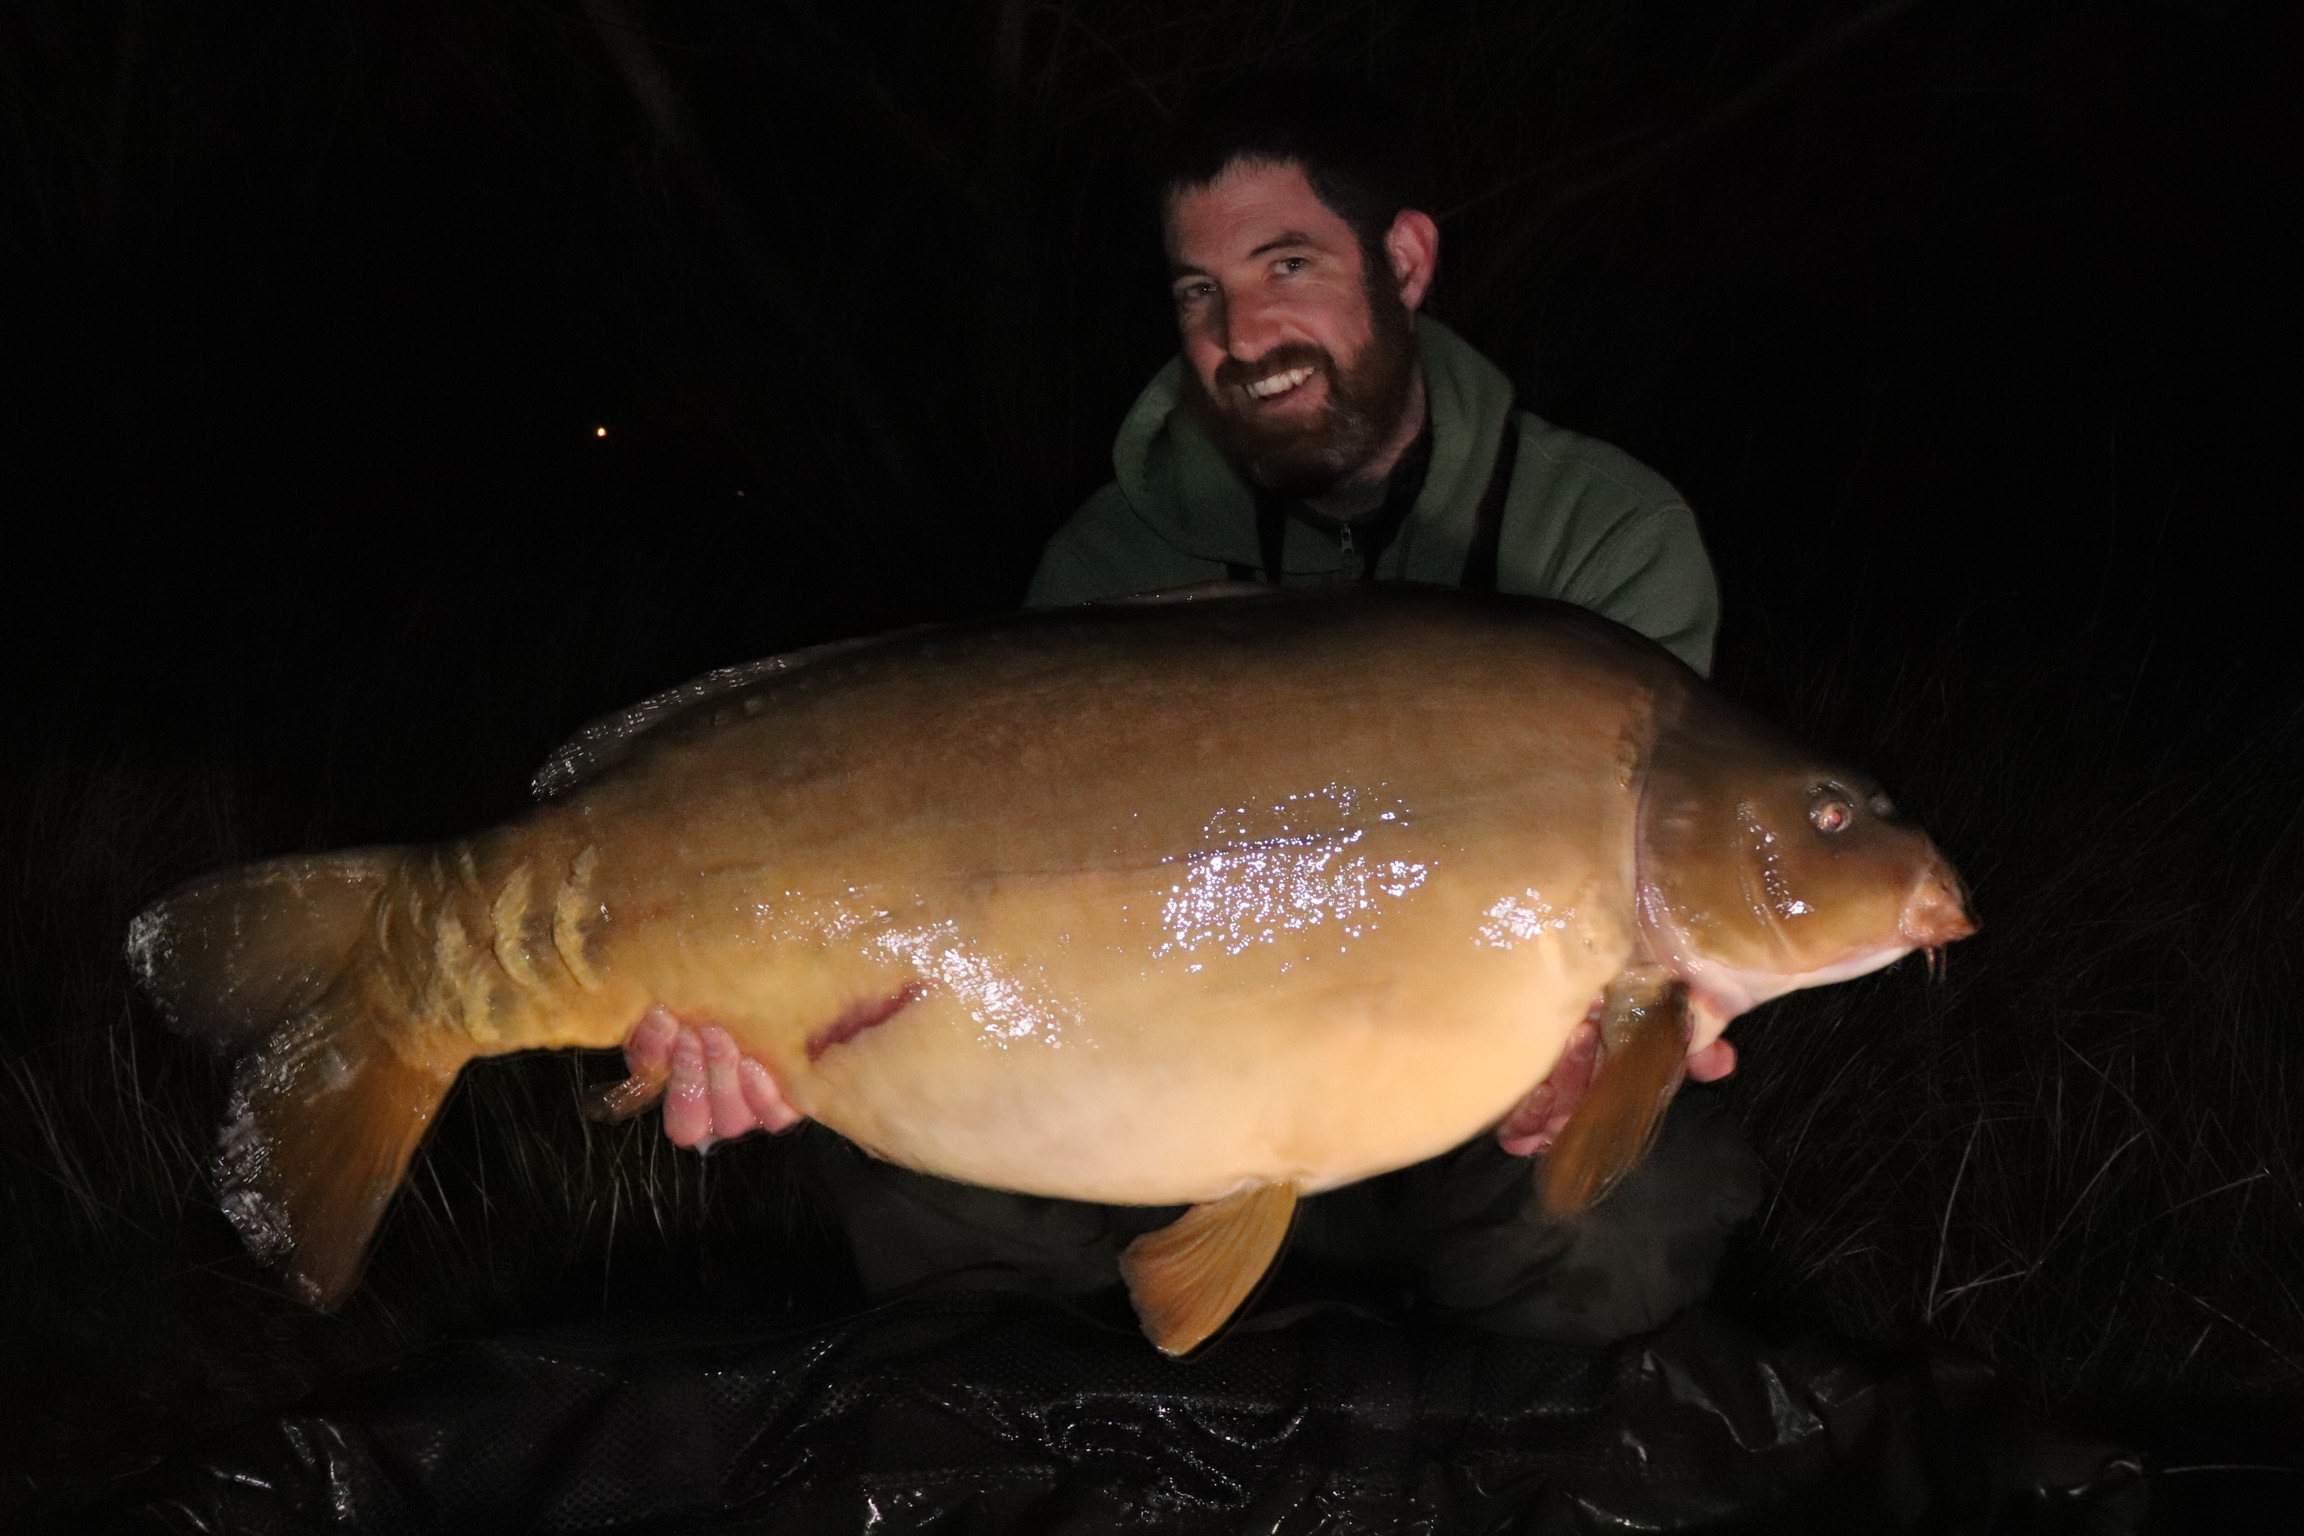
[[1937, 910]]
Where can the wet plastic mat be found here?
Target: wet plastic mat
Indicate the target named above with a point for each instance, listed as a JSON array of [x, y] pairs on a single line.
[[999, 1412]]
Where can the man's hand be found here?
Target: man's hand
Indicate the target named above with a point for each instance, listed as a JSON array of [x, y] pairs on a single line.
[[714, 1092], [1537, 1120]]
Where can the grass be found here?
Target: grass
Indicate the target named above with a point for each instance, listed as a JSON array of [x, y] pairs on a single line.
[[2076, 1153]]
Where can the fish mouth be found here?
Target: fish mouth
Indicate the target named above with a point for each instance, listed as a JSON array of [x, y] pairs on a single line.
[[1936, 912]]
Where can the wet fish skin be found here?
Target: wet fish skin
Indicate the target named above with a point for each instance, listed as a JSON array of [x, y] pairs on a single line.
[[1138, 904]]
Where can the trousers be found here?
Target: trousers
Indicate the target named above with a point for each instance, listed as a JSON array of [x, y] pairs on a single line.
[[1463, 1235]]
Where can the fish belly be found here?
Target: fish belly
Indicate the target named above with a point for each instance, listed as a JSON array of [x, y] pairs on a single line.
[[1116, 1065]]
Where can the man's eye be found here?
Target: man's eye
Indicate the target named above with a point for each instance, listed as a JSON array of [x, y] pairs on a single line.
[[1194, 293], [1290, 265]]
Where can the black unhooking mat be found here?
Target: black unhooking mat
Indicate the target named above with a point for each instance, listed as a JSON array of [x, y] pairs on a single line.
[[990, 1411]]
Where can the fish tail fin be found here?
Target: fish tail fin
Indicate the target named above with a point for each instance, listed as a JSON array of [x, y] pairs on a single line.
[[231, 955], [324, 1118], [330, 1104], [1622, 1113]]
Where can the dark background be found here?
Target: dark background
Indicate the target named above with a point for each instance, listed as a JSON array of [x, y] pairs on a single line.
[[1951, 319], [1962, 323]]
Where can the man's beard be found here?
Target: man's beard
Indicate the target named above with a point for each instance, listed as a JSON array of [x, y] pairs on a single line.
[[1362, 407]]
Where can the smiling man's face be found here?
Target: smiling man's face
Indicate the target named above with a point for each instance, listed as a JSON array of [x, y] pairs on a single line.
[[1300, 361]]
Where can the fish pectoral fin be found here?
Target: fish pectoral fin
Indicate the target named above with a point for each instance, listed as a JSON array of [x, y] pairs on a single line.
[[1645, 1038], [1188, 1278], [626, 1097]]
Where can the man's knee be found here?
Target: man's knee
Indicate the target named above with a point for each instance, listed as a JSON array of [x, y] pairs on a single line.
[[904, 1227], [1647, 1251]]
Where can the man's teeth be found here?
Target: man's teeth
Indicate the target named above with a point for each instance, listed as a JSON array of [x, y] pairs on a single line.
[[1279, 383]]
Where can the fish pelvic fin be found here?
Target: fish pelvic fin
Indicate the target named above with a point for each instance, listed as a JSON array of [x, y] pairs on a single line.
[[341, 1082], [324, 1118], [1645, 1052], [627, 1097], [1187, 1279]]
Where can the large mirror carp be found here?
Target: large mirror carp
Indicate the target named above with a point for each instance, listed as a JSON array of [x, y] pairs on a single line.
[[1217, 902]]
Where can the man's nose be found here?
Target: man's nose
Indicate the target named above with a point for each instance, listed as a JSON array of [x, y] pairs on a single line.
[[1251, 326]]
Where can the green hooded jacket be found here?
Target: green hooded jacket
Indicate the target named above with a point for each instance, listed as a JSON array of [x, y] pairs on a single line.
[[1583, 522]]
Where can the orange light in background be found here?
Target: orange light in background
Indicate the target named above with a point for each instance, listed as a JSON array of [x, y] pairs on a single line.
[[599, 431]]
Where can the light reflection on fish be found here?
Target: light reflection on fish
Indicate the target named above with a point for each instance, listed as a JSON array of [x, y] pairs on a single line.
[[1214, 902]]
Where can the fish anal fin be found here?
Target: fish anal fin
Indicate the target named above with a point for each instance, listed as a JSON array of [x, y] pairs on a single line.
[[1646, 1051], [324, 1118], [1189, 1277]]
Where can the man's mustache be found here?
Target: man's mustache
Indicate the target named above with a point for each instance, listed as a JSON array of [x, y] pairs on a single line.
[[1232, 373]]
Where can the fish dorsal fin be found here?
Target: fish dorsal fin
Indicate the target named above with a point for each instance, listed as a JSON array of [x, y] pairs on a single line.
[[603, 743], [1644, 1041], [1187, 1279], [1197, 592]]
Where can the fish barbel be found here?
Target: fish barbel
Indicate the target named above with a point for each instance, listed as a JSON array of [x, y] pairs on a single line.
[[1216, 902]]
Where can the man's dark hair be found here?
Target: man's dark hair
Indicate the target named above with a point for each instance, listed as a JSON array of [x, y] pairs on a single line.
[[1358, 147]]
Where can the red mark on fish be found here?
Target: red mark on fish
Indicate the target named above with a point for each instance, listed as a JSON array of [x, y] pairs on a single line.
[[860, 1017]]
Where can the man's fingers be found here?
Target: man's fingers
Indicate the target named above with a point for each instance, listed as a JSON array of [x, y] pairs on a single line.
[[1574, 1073], [688, 1101], [648, 1053], [1712, 1063], [713, 1092], [731, 1116], [1522, 1128], [1535, 1122], [764, 1098]]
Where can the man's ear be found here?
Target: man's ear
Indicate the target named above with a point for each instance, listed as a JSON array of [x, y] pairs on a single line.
[[1413, 244]]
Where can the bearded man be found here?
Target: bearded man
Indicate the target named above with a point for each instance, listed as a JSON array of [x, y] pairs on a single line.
[[1314, 428]]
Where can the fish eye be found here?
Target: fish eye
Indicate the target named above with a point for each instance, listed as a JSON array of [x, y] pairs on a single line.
[[1831, 813]]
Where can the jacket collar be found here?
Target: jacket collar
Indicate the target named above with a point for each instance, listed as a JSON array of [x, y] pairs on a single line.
[[1184, 490]]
